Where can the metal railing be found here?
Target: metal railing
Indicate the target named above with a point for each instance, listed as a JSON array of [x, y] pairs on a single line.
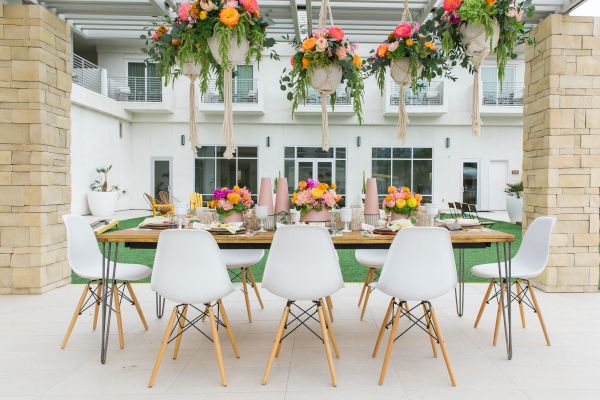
[[343, 96], [86, 74], [510, 95], [136, 89], [430, 95], [245, 91]]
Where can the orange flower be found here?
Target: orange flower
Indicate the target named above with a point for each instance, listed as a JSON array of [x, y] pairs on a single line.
[[490, 2], [309, 43], [234, 198], [382, 50], [195, 10], [430, 45], [406, 189], [392, 189], [317, 193], [357, 61], [305, 63], [294, 197], [302, 184], [161, 30], [229, 16], [418, 197], [388, 198], [409, 42], [176, 42], [333, 186]]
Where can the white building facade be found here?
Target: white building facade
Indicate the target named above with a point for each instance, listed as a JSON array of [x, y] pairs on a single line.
[[125, 118]]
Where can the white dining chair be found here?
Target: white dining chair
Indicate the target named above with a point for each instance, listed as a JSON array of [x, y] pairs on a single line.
[[243, 260], [178, 275], [303, 266], [87, 261], [420, 266], [529, 262]]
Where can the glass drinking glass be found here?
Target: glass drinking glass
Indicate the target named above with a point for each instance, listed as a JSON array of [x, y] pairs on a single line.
[[250, 220], [180, 211], [346, 217], [262, 212]]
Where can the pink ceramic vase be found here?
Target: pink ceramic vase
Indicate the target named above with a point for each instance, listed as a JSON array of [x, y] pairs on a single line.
[[316, 216], [233, 216]]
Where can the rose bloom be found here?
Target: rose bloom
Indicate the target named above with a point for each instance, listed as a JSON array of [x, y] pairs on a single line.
[[184, 11], [341, 53], [336, 33], [292, 60], [382, 50], [250, 5], [452, 5], [229, 16], [309, 43], [321, 44], [403, 30], [393, 46]]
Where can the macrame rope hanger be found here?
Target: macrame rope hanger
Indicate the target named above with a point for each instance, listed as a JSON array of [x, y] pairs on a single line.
[[402, 114], [325, 9], [193, 129]]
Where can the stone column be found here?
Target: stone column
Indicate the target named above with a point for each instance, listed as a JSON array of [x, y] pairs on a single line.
[[35, 92], [561, 147]]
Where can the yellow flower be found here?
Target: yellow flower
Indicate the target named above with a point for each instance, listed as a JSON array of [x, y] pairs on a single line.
[[309, 43], [333, 186], [302, 184], [176, 42], [234, 198], [400, 203], [294, 197], [236, 188], [412, 202], [392, 189], [305, 63], [406, 189], [409, 42], [430, 45], [202, 15], [357, 61], [229, 16], [317, 193], [323, 186]]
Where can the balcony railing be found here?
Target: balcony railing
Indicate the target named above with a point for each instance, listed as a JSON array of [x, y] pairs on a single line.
[[342, 92], [135, 89], [245, 91], [510, 95], [86, 74], [430, 95]]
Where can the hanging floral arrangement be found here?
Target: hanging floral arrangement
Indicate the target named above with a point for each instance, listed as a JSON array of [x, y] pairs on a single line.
[[411, 54], [205, 37], [472, 29], [324, 61]]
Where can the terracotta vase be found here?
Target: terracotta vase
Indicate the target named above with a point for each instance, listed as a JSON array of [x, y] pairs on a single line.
[[316, 216], [233, 216]]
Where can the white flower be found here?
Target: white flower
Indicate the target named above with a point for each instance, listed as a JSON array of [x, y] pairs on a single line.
[[519, 16], [321, 44], [511, 12], [392, 46]]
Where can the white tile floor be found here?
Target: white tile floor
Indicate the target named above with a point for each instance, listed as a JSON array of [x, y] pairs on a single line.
[[33, 367]]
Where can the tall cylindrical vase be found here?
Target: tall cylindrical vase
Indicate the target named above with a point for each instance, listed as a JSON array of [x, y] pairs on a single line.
[[282, 201], [265, 198], [371, 202]]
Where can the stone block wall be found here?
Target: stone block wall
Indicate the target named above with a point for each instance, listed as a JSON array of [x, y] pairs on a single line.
[[35, 92], [561, 147]]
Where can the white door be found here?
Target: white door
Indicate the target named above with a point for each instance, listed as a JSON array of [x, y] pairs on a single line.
[[497, 184]]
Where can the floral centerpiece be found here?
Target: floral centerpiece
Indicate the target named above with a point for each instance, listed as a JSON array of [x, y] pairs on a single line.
[[231, 203], [314, 200], [401, 202], [323, 61]]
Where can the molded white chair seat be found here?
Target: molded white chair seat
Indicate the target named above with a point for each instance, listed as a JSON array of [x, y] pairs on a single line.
[[371, 257], [238, 258], [123, 272], [490, 271]]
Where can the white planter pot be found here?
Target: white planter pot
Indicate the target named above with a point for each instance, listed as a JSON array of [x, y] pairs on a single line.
[[102, 204], [514, 207], [237, 52], [326, 79], [190, 68], [475, 39], [400, 70]]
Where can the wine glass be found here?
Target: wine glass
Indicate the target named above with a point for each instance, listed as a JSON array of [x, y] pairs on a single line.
[[295, 216], [262, 212], [346, 217], [180, 211]]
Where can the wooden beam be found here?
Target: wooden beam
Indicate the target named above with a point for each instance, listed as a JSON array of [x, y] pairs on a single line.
[[294, 11], [309, 16]]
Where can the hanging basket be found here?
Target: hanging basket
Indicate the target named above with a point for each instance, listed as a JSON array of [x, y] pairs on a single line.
[[192, 70], [477, 46], [237, 51], [400, 71], [325, 80]]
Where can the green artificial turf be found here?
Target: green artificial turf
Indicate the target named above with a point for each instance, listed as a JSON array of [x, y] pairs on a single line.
[[351, 270]]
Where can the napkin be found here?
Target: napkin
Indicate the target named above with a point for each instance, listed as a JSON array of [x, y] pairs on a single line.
[[231, 227], [153, 221], [399, 224], [367, 227]]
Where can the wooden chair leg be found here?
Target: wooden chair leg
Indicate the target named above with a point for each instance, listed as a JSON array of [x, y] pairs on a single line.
[[163, 347], [97, 306], [330, 331], [181, 324], [228, 328], [386, 320], [430, 330], [365, 284], [281, 342], [75, 315], [246, 294], [136, 303], [256, 292], [205, 314], [329, 307], [405, 306], [484, 302], [521, 308], [538, 311], [442, 345], [217, 343], [499, 315], [276, 344], [367, 294], [326, 344], [117, 301], [388, 350]]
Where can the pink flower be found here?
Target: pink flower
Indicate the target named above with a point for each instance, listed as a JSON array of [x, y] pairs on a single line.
[[184, 11], [511, 12], [341, 53], [231, 3], [250, 5], [155, 36], [321, 44], [402, 30], [415, 29], [336, 33], [392, 46]]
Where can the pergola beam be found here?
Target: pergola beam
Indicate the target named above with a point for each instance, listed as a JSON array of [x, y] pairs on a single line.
[[294, 11]]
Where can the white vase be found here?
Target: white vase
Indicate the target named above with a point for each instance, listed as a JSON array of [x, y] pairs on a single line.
[[476, 40], [102, 204], [514, 207], [237, 51], [326, 79]]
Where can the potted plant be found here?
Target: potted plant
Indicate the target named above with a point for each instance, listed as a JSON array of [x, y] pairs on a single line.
[[400, 203], [514, 201], [324, 61], [231, 203], [314, 200], [103, 198]]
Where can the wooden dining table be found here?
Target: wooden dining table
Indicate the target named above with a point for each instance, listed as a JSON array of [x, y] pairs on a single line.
[[139, 238]]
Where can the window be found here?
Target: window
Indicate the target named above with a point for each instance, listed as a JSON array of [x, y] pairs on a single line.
[[245, 88], [509, 93], [403, 166], [301, 163], [213, 171], [144, 82]]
